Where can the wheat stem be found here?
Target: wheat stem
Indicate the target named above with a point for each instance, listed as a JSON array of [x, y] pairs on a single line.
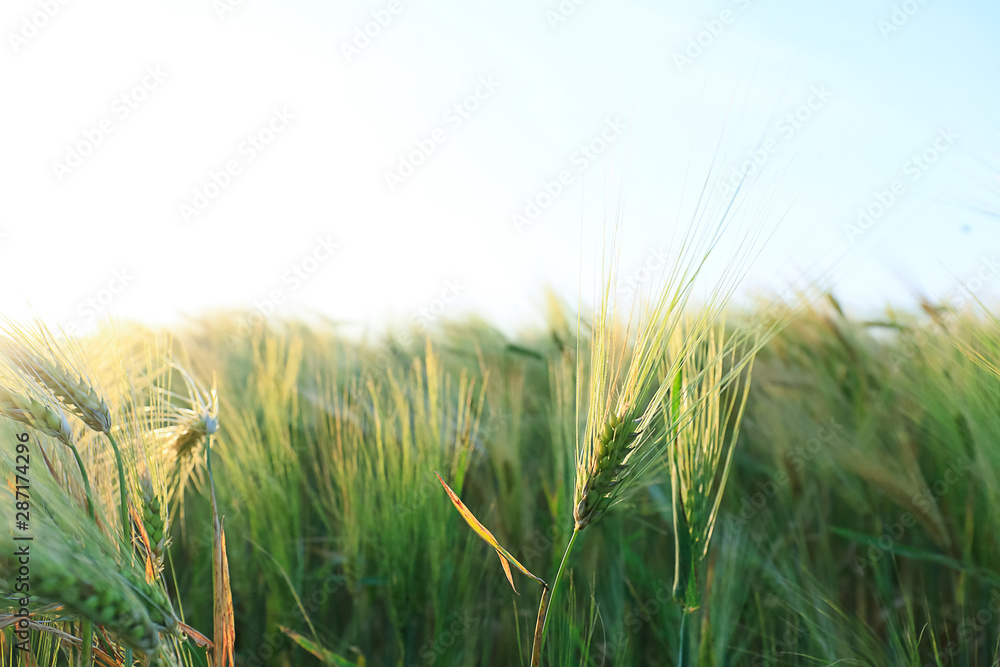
[[680, 652], [543, 609], [123, 501], [86, 481], [87, 650], [123, 491]]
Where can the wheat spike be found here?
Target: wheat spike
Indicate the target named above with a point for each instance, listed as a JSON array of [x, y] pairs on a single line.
[[74, 392], [152, 520], [190, 433], [187, 426], [36, 415], [48, 420], [613, 443]]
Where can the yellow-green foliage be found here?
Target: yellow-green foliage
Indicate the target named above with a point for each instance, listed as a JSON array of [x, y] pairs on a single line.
[[856, 523]]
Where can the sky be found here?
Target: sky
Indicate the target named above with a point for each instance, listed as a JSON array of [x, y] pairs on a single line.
[[409, 160]]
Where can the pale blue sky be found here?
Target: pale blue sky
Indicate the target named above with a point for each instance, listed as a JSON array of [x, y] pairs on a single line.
[[113, 236]]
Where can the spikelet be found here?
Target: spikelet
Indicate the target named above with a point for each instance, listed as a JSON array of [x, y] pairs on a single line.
[[152, 521], [36, 415], [154, 601]]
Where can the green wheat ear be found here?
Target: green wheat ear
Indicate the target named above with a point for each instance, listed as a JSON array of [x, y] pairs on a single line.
[[38, 359], [38, 416], [50, 420], [707, 402], [605, 470], [153, 523]]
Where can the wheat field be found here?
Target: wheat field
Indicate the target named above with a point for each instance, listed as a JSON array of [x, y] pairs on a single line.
[[855, 523]]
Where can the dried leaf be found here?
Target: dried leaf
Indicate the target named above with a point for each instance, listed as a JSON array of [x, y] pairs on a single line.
[[506, 570], [225, 628], [325, 655], [487, 536], [195, 636]]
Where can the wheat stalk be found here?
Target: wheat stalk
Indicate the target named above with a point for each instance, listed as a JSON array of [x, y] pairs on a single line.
[[185, 429], [36, 353], [712, 387], [629, 422]]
